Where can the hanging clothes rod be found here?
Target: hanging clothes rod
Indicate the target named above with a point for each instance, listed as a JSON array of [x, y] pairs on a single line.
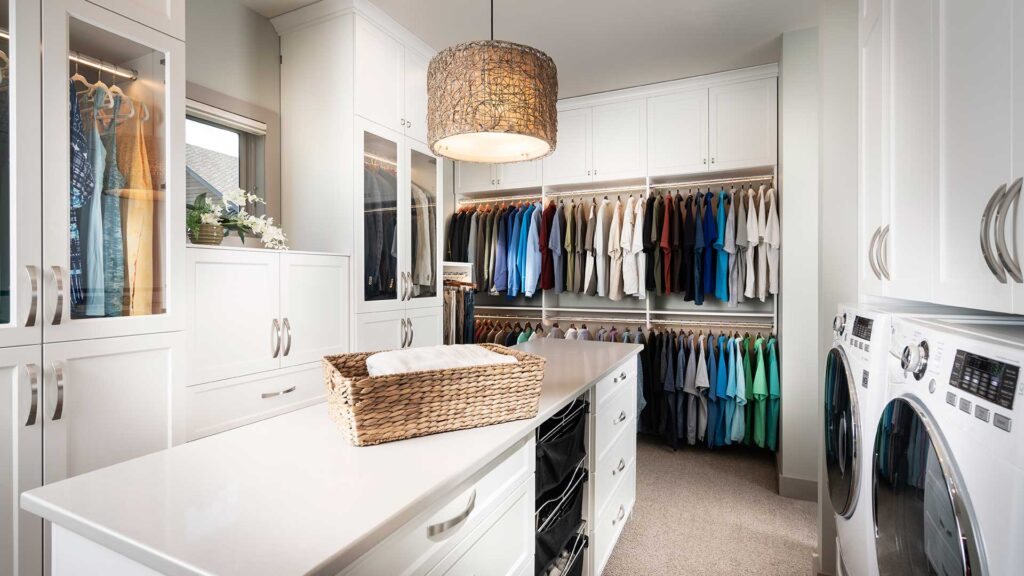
[[593, 191], [500, 317], [494, 200], [634, 321], [380, 159], [91, 62], [703, 183]]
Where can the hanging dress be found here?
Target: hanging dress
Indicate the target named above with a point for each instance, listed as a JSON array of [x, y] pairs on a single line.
[[113, 241], [82, 180], [138, 198], [91, 219]]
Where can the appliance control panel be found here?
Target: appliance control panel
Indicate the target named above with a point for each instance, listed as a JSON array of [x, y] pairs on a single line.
[[986, 378]]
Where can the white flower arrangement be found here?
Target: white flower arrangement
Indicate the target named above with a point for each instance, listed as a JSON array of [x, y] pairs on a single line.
[[232, 215]]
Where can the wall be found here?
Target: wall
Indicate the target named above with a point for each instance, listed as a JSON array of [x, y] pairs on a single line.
[[837, 264], [798, 305], [233, 63]]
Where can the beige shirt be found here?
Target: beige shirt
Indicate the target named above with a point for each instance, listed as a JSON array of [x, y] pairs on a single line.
[[615, 284], [638, 249], [629, 279], [762, 248], [772, 240], [752, 239]]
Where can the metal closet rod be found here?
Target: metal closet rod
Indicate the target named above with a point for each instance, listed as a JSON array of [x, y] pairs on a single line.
[[91, 62], [499, 199], [492, 317], [714, 324], [702, 183], [592, 191], [380, 159]]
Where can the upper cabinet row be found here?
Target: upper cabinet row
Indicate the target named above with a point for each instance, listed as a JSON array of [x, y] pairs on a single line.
[[717, 128], [942, 152], [391, 86]]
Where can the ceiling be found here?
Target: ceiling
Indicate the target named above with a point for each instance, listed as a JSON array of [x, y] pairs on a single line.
[[601, 45]]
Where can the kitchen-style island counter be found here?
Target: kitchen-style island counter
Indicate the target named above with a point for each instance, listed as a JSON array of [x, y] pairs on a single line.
[[289, 495]]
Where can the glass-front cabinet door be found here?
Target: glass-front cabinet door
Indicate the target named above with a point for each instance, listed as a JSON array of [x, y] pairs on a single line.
[[424, 239], [113, 178], [378, 180]]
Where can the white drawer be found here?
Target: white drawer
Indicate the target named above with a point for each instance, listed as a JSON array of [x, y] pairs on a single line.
[[218, 406], [411, 550], [502, 545], [611, 384], [612, 518], [614, 463], [612, 417]]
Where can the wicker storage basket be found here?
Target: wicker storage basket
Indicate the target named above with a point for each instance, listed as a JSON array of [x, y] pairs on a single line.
[[373, 410]]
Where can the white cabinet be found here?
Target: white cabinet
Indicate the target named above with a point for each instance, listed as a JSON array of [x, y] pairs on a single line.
[[425, 326], [570, 162], [167, 16], [742, 120], [677, 133], [604, 142], [874, 151], [21, 467], [253, 310], [108, 400], [381, 331], [475, 177], [391, 89]]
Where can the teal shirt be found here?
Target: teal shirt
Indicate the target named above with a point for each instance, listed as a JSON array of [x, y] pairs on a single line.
[[774, 393], [721, 256]]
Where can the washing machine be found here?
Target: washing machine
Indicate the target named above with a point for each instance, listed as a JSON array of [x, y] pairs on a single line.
[[948, 462]]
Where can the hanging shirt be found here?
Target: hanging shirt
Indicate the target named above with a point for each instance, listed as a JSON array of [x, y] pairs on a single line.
[[773, 240], [615, 283], [516, 221], [710, 237], [648, 240], [584, 334], [702, 384], [570, 334], [500, 280], [760, 394], [774, 393], [590, 271], [665, 243], [525, 335], [748, 370], [481, 248], [524, 244], [762, 248], [641, 400], [547, 263], [601, 232], [629, 276], [569, 244], [738, 277], [712, 428], [739, 418], [533, 255], [113, 241], [692, 395], [753, 237], [582, 216], [555, 249], [724, 407], [729, 247], [638, 249], [81, 187], [730, 389], [698, 252], [721, 256], [138, 202], [91, 221], [675, 240], [681, 397], [471, 254]]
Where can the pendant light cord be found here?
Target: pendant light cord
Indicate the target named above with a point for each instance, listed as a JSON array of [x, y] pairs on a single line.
[[492, 20]]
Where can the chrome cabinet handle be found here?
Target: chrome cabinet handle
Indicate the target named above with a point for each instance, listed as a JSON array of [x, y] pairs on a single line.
[[620, 418], [288, 337], [412, 332], [622, 514], [58, 277], [58, 375], [275, 337], [620, 467], [33, 278], [883, 252], [442, 527], [1009, 261], [33, 387], [871, 253], [266, 395], [408, 285], [405, 333], [985, 235]]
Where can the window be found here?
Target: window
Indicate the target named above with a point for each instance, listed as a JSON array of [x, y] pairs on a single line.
[[223, 152]]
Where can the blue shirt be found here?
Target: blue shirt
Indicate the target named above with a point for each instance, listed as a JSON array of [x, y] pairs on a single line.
[[513, 253], [532, 270], [722, 273], [710, 236], [501, 255], [724, 406], [524, 233]]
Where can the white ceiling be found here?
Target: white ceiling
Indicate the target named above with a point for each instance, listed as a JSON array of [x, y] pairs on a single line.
[[603, 45]]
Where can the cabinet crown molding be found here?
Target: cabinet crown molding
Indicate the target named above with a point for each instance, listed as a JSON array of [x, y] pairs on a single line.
[[329, 9]]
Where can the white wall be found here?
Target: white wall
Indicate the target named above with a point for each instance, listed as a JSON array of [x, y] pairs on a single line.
[[837, 265], [798, 306]]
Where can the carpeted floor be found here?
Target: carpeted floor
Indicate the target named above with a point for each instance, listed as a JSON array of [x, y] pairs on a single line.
[[705, 513]]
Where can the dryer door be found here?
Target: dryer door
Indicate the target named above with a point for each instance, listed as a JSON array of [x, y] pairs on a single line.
[[842, 433], [922, 520]]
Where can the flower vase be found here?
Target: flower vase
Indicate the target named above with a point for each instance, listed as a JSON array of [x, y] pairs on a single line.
[[208, 234]]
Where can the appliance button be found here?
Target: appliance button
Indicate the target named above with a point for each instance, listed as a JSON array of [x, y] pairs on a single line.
[[981, 413], [965, 405], [1002, 422], [950, 398], [867, 347]]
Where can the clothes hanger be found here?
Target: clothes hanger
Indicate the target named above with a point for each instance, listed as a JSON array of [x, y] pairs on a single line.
[[115, 89]]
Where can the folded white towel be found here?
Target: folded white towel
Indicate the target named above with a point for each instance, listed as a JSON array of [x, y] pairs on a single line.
[[433, 358]]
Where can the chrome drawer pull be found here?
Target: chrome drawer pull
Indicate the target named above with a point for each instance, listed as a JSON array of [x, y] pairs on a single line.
[[33, 386], [288, 335], [275, 338], [620, 468], [33, 277], [58, 312], [58, 374], [442, 527], [266, 395], [620, 418], [622, 514]]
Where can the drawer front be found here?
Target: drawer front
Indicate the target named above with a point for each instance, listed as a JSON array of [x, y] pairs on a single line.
[[614, 417], [412, 550], [218, 406], [613, 464], [612, 518], [611, 384], [502, 545]]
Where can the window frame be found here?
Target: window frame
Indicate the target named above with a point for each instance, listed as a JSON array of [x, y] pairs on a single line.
[[252, 159]]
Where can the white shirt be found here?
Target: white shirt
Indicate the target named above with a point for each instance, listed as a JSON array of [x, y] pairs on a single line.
[[601, 246], [629, 283], [615, 253], [752, 239], [638, 249], [773, 239], [588, 270], [730, 247], [762, 248]]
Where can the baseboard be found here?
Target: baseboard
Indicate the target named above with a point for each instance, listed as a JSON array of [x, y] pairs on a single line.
[[798, 488]]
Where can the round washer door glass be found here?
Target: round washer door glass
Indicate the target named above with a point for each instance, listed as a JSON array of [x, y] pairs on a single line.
[[842, 430], [921, 523]]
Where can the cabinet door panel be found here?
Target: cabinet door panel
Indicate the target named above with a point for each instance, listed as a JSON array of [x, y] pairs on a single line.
[[570, 162], [874, 146], [975, 144], [21, 465], [619, 140], [908, 251], [315, 304], [107, 401], [234, 300], [474, 177], [742, 124], [379, 331], [416, 95], [167, 16], [380, 199], [677, 133], [426, 327], [114, 249], [423, 204], [516, 175], [379, 89]]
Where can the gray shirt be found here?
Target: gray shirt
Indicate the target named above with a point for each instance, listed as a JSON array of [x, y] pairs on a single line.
[[702, 384], [690, 387], [555, 244]]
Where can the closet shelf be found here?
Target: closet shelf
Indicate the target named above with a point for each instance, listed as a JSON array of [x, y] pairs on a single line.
[[499, 307], [599, 310]]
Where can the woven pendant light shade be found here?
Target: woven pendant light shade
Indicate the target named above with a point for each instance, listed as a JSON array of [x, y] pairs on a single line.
[[492, 101]]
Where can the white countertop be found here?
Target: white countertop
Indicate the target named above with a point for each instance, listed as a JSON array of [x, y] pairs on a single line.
[[289, 495]]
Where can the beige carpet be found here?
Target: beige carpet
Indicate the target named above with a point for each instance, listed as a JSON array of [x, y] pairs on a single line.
[[707, 513]]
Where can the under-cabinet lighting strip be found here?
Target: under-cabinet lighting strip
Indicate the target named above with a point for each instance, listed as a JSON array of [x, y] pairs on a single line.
[[91, 62], [467, 201]]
